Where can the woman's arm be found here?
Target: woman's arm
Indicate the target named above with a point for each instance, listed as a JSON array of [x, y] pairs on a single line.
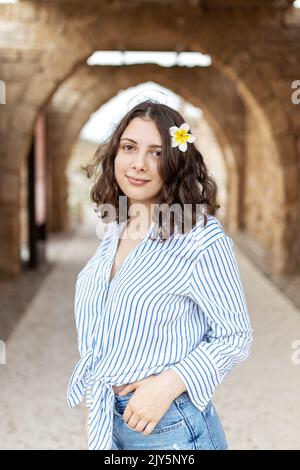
[[217, 290]]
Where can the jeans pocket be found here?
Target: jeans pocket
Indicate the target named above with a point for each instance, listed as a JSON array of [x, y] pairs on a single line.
[[171, 420], [168, 425], [121, 403]]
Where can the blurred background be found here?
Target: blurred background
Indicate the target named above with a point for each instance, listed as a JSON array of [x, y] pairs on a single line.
[[68, 72]]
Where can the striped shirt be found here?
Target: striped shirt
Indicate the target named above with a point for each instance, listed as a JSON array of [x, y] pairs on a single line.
[[177, 304]]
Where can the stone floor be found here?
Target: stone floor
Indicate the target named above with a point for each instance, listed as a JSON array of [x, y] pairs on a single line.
[[42, 351], [16, 294]]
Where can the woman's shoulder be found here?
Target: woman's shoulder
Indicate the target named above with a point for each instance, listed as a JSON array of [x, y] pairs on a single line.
[[207, 230], [105, 233]]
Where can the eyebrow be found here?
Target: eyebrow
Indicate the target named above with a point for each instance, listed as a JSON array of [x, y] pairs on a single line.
[[131, 140]]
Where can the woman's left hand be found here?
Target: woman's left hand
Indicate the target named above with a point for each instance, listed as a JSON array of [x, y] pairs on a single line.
[[152, 398]]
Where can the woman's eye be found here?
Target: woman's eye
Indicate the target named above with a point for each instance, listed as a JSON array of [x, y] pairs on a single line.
[[157, 153], [124, 147]]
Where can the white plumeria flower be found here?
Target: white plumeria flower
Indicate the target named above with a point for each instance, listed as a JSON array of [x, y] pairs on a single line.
[[180, 136]]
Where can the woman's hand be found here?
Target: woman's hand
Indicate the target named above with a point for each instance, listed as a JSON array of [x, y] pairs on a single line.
[[152, 398]]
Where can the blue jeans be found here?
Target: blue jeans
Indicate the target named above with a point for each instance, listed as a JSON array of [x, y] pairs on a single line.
[[183, 426]]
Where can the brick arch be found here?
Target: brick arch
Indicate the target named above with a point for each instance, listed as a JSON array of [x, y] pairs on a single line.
[[58, 37], [90, 87]]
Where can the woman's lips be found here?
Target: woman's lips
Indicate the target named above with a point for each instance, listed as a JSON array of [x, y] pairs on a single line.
[[136, 182]]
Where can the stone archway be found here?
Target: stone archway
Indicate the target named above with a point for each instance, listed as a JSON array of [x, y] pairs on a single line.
[[43, 44]]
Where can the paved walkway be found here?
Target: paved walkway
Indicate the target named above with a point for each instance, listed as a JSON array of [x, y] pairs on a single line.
[[258, 402]]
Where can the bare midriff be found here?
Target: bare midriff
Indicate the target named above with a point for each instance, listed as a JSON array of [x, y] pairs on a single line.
[[118, 388]]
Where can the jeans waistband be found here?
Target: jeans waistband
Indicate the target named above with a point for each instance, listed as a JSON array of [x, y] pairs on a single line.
[[180, 399], [183, 397]]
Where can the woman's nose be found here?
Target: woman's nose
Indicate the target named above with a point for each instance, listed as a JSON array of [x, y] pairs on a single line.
[[140, 160]]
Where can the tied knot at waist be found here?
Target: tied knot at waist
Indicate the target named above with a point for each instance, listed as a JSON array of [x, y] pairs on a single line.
[[101, 407], [82, 377], [100, 421]]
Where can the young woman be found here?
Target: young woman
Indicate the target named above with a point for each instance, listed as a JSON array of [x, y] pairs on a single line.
[[160, 311]]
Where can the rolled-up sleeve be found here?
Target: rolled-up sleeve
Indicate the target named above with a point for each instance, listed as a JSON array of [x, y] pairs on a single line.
[[215, 286]]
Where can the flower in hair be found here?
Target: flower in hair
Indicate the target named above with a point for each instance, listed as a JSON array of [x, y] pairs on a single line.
[[180, 136]]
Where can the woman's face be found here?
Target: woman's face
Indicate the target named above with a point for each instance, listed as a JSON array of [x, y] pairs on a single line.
[[138, 155]]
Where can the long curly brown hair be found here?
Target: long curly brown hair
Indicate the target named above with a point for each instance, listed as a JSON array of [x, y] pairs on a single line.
[[184, 174]]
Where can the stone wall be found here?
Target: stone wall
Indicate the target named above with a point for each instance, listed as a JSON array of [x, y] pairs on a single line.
[[255, 53]]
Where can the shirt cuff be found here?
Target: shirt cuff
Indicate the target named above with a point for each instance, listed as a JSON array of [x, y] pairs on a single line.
[[199, 374]]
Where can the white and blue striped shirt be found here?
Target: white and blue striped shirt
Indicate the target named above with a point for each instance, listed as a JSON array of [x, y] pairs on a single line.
[[177, 304]]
